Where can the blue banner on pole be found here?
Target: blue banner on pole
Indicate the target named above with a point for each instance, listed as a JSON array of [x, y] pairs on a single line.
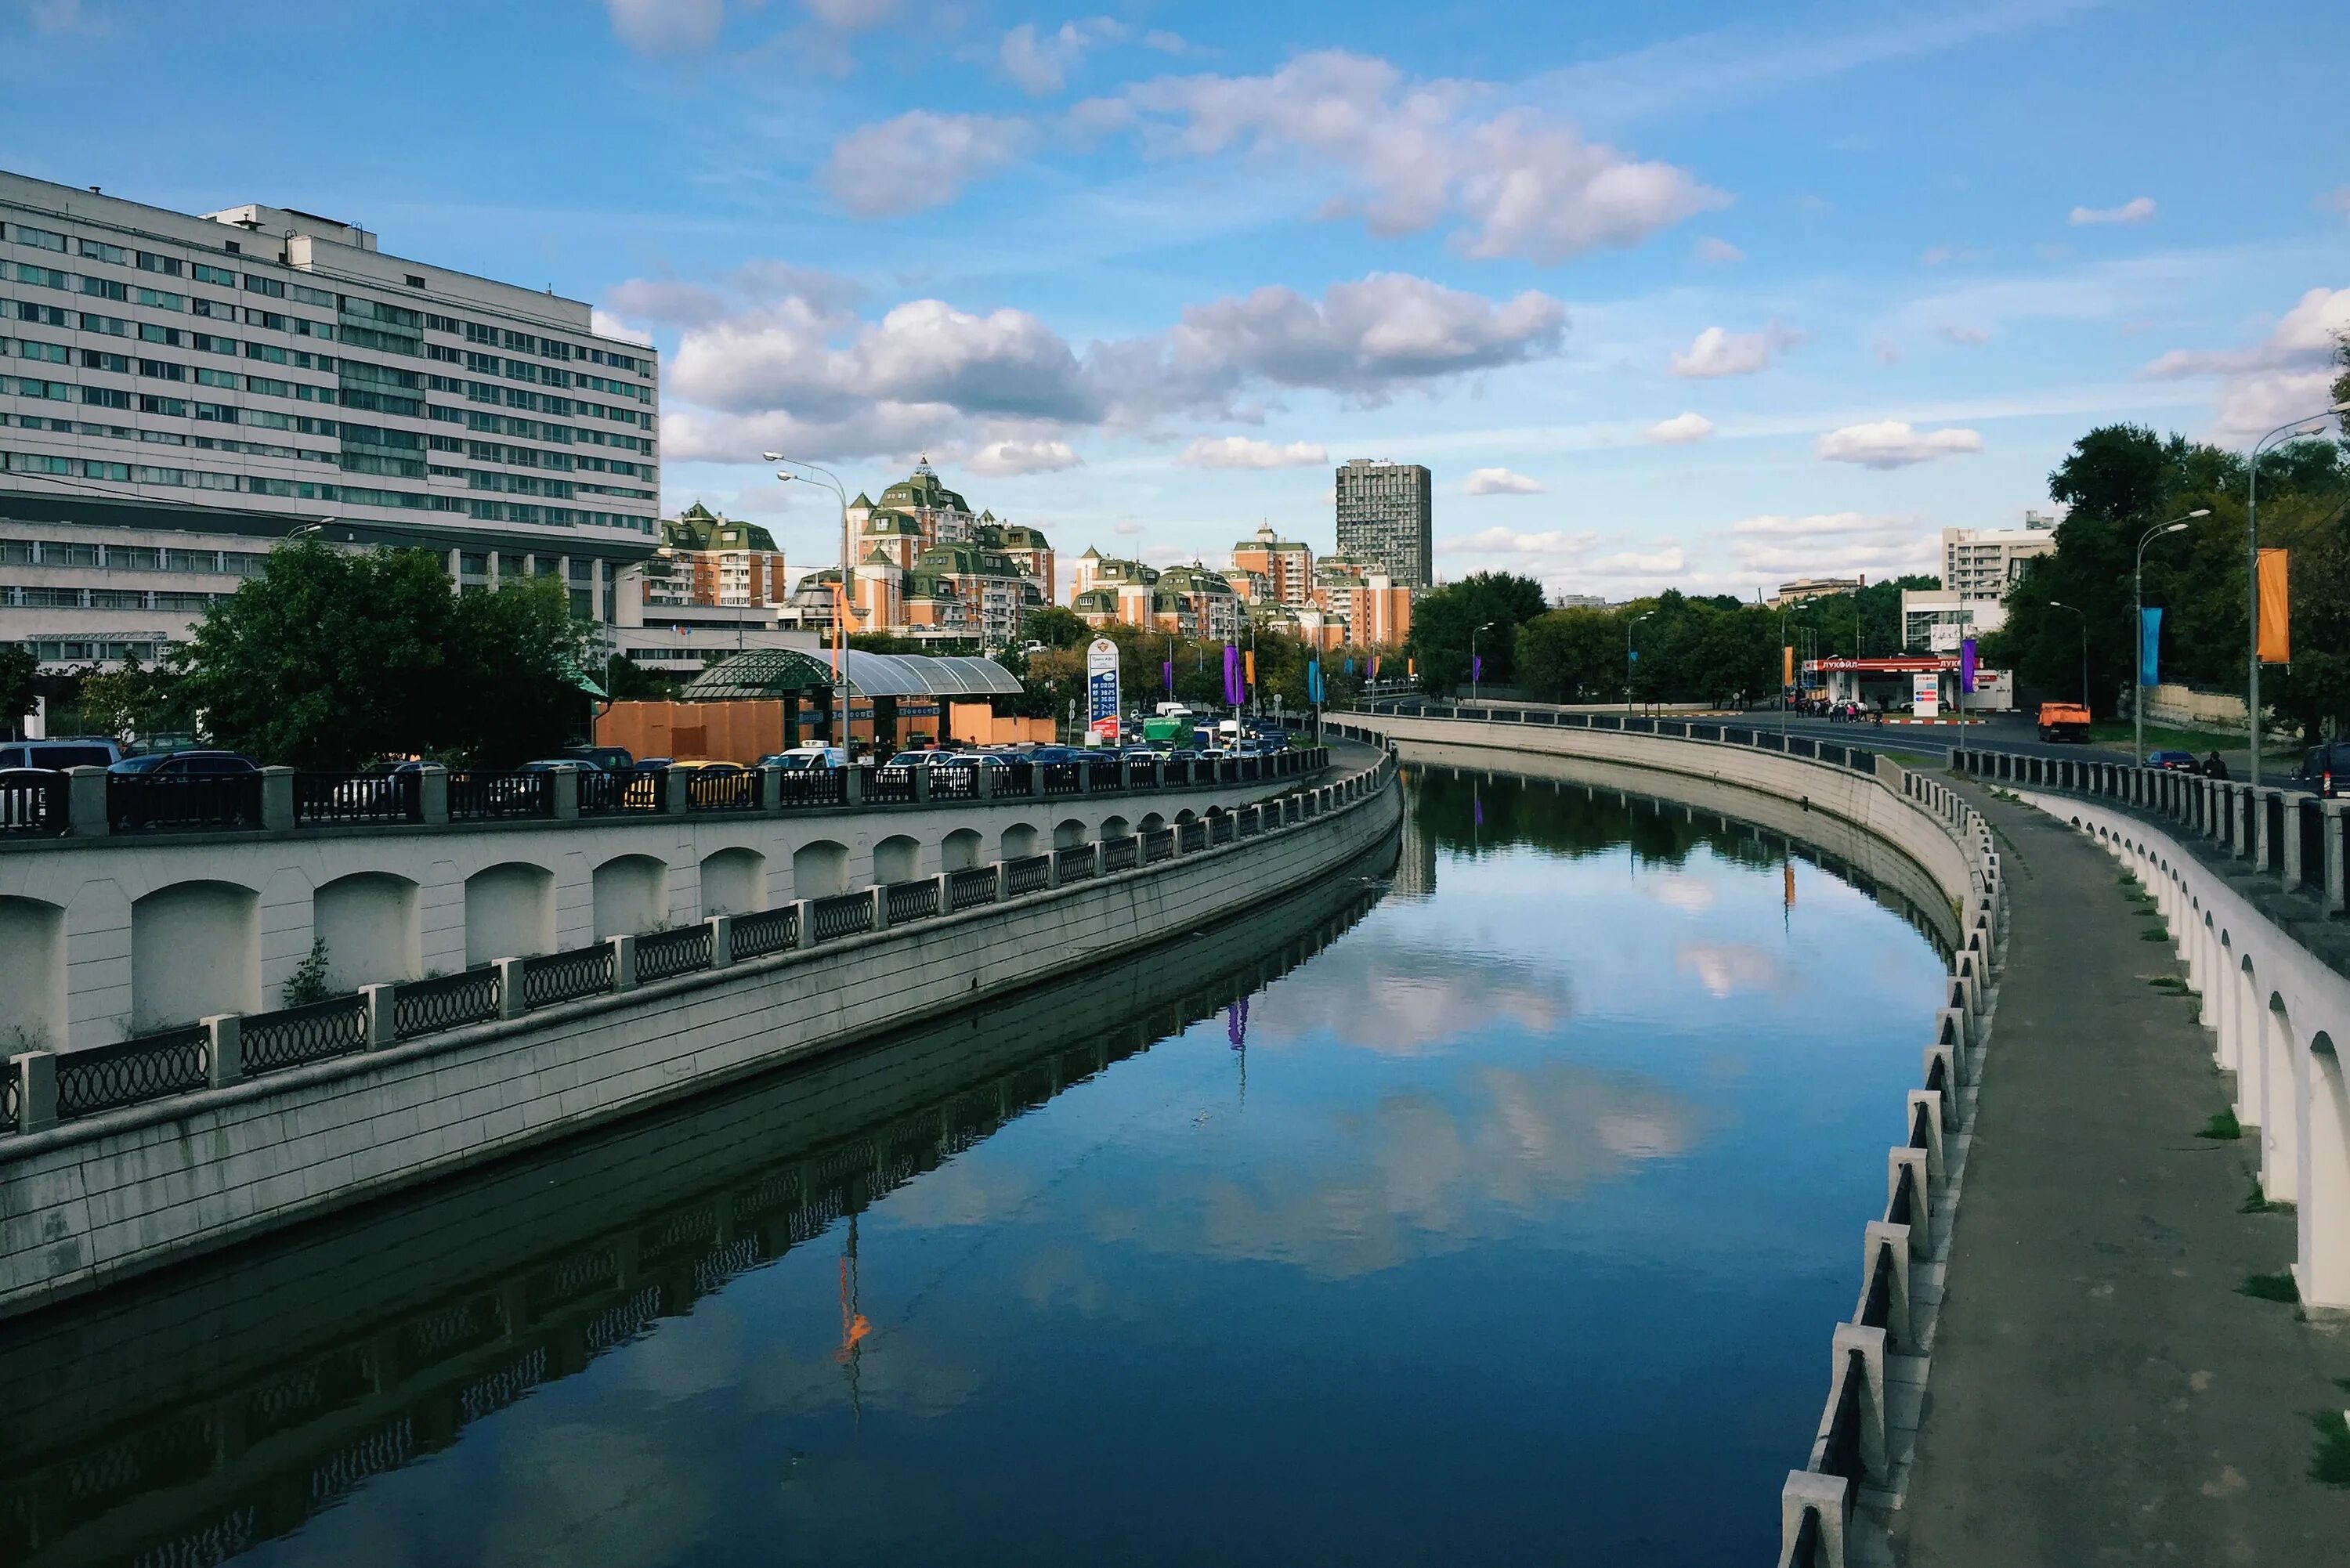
[[1314, 682], [2149, 647]]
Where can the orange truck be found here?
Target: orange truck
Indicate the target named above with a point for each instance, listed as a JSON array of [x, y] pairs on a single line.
[[2064, 722]]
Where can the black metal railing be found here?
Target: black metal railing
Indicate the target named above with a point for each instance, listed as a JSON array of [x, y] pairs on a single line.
[[12, 1096], [445, 1001], [338, 798], [1075, 863], [1104, 773], [815, 786], [889, 786], [33, 804], [765, 932], [603, 794], [721, 789], [842, 914], [489, 798], [1017, 776], [1842, 1458], [664, 954], [1220, 827], [144, 803], [970, 888], [914, 900], [1029, 874], [293, 1035], [1059, 778], [152, 1067], [955, 780], [567, 976], [1192, 835], [2273, 860], [1876, 1301], [2310, 821], [1158, 843]]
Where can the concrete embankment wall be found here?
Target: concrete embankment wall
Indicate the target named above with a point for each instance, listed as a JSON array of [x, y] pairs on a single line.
[[88, 1201]]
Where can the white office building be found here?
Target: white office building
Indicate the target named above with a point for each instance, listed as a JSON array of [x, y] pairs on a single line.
[[1979, 568], [179, 392]]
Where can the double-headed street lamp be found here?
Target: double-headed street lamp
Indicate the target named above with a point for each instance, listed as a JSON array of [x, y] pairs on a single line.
[[1472, 657], [2137, 596], [2252, 567], [2059, 604], [1628, 657], [840, 607]]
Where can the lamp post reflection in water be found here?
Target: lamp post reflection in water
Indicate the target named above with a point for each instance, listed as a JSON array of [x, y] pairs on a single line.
[[854, 1325]]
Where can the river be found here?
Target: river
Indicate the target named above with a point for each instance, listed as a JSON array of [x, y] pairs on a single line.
[[1489, 1205]]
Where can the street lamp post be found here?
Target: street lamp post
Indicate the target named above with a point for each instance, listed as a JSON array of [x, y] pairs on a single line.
[[2137, 597], [1628, 657], [2056, 604], [2252, 569], [1472, 657], [840, 610]]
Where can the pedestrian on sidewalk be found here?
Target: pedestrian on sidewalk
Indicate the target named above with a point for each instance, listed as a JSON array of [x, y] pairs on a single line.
[[2213, 768]]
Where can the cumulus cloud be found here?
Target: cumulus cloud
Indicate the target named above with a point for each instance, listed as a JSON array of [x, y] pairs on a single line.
[[1510, 541], [770, 354], [1892, 443], [1716, 352], [2288, 373], [1242, 451], [1408, 156], [603, 324], [918, 160], [2136, 210], [1669, 562], [667, 26], [1013, 457], [1681, 430], [1833, 543], [1719, 252], [851, 16], [1970, 336], [1499, 482], [1041, 62]]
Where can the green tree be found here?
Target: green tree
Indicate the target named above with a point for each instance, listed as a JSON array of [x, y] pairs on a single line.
[[17, 668], [513, 678], [1443, 623], [1055, 628], [1572, 656]]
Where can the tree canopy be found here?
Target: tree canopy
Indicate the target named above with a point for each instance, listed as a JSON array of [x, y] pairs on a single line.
[[17, 667], [1445, 621]]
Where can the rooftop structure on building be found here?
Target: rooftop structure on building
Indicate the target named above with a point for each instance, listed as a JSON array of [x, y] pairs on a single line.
[[1801, 589], [186, 387]]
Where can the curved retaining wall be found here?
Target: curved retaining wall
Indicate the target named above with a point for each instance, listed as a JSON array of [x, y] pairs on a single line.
[[1880, 1358], [91, 1201]]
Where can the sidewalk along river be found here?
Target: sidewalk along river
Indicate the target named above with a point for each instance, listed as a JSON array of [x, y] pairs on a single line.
[[1484, 1204]]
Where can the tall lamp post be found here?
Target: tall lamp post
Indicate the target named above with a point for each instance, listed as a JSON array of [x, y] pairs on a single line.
[[840, 610], [1628, 657], [1474, 636], [2137, 597], [2252, 569], [2057, 604]]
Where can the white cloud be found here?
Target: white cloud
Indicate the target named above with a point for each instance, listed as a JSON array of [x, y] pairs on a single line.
[[918, 160], [851, 16], [1719, 252], [1129, 527], [603, 324], [1242, 451], [1833, 543], [1716, 352], [1892, 443], [1499, 482], [1509, 542], [1668, 562], [667, 26], [1934, 255], [2136, 210], [1971, 337], [1408, 155], [1012, 457], [1041, 62], [1681, 430], [2287, 374]]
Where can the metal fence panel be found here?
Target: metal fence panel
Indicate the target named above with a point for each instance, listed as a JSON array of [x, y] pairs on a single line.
[[763, 932], [108, 1078], [842, 914], [357, 797], [293, 1035], [445, 1001], [143, 803], [567, 976], [664, 954]]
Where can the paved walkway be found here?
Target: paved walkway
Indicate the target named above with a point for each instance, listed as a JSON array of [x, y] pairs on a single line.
[[2101, 1391]]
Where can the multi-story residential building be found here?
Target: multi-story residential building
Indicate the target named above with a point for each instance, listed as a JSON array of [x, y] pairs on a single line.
[[179, 388], [1270, 569], [928, 569], [1386, 516], [1189, 601], [715, 560], [1983, 563]]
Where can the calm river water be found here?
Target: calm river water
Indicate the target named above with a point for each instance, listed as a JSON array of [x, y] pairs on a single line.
[[1491, 1205]]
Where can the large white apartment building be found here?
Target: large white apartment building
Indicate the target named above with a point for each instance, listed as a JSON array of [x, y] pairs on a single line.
[[1978, 566], [178, 390]]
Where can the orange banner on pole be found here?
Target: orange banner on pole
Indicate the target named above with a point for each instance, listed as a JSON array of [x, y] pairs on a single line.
[[1788, 661], [1247, 660], [2276, 610]]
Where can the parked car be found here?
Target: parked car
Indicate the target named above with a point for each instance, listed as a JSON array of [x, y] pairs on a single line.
[[611, 759], [703, 765], [2174, 762], [803, 757], [187, 764], [558, 765], [2325, 769], [65, 752], [922, 758]]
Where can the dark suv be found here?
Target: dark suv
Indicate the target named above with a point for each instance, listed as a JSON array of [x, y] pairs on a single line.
[[2325, 771]]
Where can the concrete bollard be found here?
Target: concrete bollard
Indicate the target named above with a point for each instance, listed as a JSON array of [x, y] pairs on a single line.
[[1952, 1071], [86, 810], [1869, 1343], [852, 787], [37, 1088], [771, 789], [1877, 1238], [880, 894], [382, 1013], [1808, 1492], [277, 800], [624, 962], [1003, 883], [983, 780], [432, 796], [2334, 872], [1932, 1101], [510, 1002], [1921, 1188], [946, 894], [566, 794], [674, 782], [803, 923], [225, 1043], [722, 941], [922, 781]]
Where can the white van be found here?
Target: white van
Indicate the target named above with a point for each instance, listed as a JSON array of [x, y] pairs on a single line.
[[79, 751]]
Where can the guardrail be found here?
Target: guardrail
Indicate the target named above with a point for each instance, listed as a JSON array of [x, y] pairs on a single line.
[[1891, 1322], [34, 804], [2296, 838], [147, 802], [39, 1088]]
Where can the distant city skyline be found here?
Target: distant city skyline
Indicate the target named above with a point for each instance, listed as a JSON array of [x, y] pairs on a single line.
[[1708, 299]]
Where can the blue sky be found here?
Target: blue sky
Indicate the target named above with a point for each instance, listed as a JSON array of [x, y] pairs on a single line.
[[1683, 293]]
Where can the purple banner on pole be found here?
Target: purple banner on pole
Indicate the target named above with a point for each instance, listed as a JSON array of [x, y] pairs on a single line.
[[1967, 665], [1233, 697], [1476, 667], [1167, 673]]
